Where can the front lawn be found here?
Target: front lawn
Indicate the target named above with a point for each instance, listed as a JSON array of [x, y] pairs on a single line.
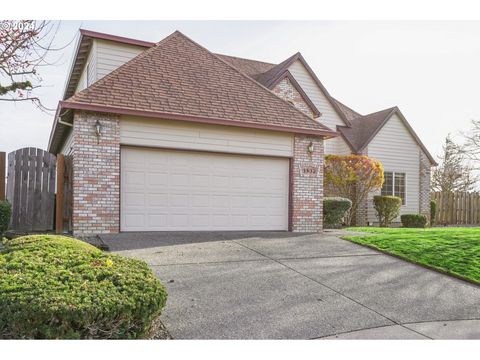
[[452, 250]]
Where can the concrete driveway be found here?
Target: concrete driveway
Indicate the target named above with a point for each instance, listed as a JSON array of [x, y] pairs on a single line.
[[291, 286]]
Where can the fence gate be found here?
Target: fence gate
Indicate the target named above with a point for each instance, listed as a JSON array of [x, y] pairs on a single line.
[[31, 189]]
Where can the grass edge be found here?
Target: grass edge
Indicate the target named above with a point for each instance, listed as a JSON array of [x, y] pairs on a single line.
[[430, 267]]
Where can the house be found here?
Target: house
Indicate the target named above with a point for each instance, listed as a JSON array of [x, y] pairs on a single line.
[[170, 136]]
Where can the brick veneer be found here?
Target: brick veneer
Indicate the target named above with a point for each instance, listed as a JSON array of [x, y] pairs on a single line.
[[424, 189], [307, 185], [287, 91], [96, 174]]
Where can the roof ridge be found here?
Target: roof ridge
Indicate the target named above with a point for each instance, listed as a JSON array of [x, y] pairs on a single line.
[[243, 58], [390, 109], [253, 81]]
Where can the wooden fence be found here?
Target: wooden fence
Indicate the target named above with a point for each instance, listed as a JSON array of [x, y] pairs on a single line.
[[31, 189], [63, 222], [457, 208]]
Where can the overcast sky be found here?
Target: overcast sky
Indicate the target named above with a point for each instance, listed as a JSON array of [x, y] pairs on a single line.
[[430, 70]]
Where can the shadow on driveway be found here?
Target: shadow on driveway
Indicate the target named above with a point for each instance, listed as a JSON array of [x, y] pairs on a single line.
[[144, 240]]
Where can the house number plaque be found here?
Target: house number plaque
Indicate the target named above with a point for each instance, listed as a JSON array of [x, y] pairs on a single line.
[[308, 170]]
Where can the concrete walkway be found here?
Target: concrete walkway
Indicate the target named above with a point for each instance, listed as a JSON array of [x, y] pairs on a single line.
[[290, 286]]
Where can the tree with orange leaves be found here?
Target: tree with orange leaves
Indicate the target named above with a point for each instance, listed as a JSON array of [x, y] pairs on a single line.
[[352, 177]]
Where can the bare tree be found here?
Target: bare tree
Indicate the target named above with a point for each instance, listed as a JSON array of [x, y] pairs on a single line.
[[471, 148], [24, 46], [454, 174]]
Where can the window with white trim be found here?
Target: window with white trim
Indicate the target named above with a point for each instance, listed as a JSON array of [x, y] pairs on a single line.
[[395, 185]]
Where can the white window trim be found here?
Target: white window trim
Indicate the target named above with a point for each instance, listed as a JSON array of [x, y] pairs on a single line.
[[393, 183]]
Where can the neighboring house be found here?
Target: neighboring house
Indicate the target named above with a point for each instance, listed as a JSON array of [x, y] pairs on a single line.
[[191, 140]]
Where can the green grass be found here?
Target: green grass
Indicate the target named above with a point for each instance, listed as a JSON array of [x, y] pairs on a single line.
[[455, 251]]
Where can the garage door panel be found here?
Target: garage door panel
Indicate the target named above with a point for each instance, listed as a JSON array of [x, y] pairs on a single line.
[[179, 190]]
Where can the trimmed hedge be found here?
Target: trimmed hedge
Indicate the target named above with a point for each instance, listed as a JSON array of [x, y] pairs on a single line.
[[55, 287], [433, 212], [5, 214], [334, 210], [414, 220], [387, 208]]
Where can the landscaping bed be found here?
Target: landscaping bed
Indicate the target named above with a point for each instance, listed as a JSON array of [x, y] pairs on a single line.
[[58, 287], [455, 251]]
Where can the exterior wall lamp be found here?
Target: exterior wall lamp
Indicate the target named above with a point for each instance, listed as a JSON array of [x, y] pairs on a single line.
[[98, 130], [310, 148]]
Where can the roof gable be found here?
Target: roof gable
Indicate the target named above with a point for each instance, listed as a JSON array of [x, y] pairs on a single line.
[[364, 129], [276, 73], [179, 78]]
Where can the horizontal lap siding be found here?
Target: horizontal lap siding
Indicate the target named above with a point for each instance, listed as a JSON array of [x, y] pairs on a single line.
[[191, 136], [337, 146], [329, 116], [111, 55], [397, 151], [92, 76]]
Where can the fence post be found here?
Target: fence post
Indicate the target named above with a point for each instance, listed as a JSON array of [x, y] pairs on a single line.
[[2, 176], [59, 199]]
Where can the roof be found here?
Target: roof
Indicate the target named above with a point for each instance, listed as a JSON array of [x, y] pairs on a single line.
[[358, 132], [82, 50], [269, 75], [364, 128], [349, 113], [361, 128], [193, 85], [247, 66]]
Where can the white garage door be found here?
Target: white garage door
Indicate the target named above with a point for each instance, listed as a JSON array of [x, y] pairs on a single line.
[[183, 190]]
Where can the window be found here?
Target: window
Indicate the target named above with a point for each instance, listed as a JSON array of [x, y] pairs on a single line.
[[395, 184]]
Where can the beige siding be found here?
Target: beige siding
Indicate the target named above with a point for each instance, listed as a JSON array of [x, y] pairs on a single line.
[[91, 63], [67, 145], [337, 146], [104, 57], [111, 55], [329, 116], [192, 136], [397, 151]]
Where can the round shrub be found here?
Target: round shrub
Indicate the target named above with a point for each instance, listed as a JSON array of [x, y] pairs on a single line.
[[414, 220], [5, 214], [334, 210], [433, 212], [387, 208], [55, 287]]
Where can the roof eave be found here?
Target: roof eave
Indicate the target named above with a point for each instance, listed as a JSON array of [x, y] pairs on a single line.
[[193, 118]]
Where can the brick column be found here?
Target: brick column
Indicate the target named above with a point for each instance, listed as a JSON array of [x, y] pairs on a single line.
[[307, 185], [96, 174], [424, 201]]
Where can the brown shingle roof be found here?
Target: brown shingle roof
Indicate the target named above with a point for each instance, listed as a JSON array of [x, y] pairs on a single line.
[[247, 66], [349, 113], [362, 128], [178, 77]]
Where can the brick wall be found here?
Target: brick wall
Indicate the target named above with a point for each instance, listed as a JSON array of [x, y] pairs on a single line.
[[424, 190], [96, 174], [307, 185], [287, 91]]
